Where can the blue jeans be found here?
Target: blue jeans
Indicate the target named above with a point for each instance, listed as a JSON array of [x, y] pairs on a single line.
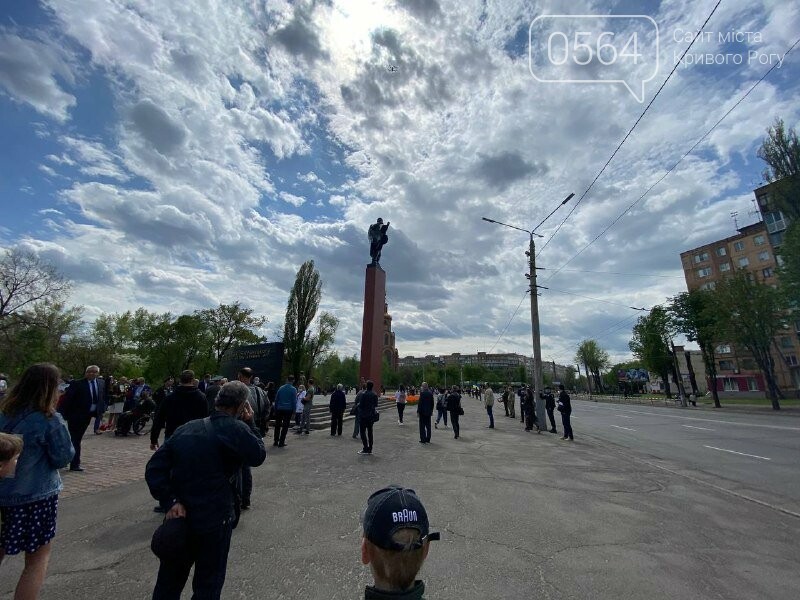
[[441, 413], [208, 552], [491, 416]]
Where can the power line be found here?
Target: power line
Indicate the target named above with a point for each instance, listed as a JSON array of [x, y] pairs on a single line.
[[673, 167], [502, 333], [616, 273], [630, 131], [597, 299]]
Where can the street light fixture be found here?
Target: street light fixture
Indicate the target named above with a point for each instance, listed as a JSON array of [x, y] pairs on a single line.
[[535, 333]]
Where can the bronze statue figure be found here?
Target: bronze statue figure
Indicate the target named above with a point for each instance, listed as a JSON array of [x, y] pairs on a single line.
[[377, 238]]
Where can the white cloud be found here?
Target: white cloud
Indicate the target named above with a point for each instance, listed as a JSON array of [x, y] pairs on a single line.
[[28, 73], [184, 194]]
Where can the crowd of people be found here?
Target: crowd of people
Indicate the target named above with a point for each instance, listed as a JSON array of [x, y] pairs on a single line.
[[200, 474]]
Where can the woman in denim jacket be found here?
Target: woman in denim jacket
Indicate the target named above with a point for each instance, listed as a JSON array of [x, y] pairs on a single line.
[[29, 501]]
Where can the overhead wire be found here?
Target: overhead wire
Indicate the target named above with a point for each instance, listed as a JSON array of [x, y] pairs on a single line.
[[680, 160], [630, 131], [502, 333]]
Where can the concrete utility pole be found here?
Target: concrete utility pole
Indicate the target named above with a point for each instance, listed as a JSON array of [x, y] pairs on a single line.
[[536, 377], [541, 415]]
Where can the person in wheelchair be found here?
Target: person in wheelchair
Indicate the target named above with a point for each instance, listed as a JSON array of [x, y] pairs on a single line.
[[144, 408]]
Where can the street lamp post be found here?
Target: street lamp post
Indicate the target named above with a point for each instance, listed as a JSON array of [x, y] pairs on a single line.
[[535, 333]]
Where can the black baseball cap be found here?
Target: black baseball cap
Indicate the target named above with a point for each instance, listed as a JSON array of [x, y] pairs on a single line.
[[391, 509]]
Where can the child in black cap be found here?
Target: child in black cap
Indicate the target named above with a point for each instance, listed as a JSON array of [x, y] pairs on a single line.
[[395, 543]]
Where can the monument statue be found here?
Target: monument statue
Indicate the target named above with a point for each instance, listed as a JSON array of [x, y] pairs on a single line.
[[377, 239]]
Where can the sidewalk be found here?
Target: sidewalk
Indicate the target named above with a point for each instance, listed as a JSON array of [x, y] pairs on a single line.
[[521, 515]]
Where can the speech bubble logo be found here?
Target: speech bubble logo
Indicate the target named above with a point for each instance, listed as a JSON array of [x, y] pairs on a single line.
[[620, 49]]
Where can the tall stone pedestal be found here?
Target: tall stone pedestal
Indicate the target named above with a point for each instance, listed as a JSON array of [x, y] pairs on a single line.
[[372, 326]]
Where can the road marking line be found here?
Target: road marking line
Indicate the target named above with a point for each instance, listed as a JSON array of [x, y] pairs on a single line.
[[625, 416], [625, 428], [735, 452], [696, 427], [597, 405]]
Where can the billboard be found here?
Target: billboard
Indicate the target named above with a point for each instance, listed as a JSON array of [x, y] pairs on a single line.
[[266, 360], [633, 375]]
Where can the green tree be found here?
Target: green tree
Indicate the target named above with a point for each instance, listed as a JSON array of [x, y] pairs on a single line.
[[228, 326], [789, 272], [780, 150], [569, 378], [320, 342], [301, 309], [651, 344], [595, 359], [696, 316], [753, 313]]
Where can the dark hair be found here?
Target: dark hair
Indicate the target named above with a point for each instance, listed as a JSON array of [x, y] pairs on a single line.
[[246, 371], [290, 379], [271, 385], [402, 388], [167, 378], [37, 389], [370, 385], [561, 386], [207, 375], [187, 376]]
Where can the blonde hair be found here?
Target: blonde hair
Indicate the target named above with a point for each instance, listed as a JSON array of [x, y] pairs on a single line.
[[398, 568], [10, 446]]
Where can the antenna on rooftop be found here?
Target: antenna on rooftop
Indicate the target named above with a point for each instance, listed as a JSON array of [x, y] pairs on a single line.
[[734, 215], [755, 212]]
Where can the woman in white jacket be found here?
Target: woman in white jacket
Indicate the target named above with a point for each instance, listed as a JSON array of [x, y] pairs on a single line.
[[400, 398]]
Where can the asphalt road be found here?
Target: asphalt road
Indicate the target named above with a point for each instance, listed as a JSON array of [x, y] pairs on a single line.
[[521, 515], [757, 455]]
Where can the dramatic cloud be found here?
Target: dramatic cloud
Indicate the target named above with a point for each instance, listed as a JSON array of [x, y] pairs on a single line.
[[200, 152]]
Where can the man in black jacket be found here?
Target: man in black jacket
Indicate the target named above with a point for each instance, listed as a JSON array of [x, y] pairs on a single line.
[[192, 473], [82, 401], [367, 409], [338, 405], [185, 404], [550, 406], [565, 408], [425, 411]]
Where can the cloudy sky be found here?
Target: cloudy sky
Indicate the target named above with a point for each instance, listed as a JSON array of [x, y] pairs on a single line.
[[175, 155]]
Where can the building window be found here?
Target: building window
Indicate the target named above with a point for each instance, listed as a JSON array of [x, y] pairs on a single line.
[[763, 256], [722, 251], [786, 342], [766, 273], [738, 246], [702, 257], [704, 272], [725, 267], [744, 261], [759, 240], [709, 286], [774, 221], [729, 384], [791, 360], [726, 365], [779, 260], [752, 384], [748, 364], [723, 349]]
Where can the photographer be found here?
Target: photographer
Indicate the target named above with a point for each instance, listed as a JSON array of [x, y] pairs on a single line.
[[193, 473]]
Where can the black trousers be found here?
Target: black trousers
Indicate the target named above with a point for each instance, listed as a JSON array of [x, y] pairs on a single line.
[[454, 422], [208, 552], [400, 409], [337, 418], [283, 418], [366, 434], [552, 418], [530, 418], [567, 425], [246, 485], [76, 431], [425, 428]]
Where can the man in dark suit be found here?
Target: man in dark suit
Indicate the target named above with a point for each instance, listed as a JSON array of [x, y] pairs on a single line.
[[425, 411], [83, 399]]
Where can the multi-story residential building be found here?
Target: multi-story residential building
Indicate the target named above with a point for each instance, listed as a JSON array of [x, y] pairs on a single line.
[[501, 361], [753, 248]]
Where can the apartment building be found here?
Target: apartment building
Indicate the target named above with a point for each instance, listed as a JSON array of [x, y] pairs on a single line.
[[753, 248]]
